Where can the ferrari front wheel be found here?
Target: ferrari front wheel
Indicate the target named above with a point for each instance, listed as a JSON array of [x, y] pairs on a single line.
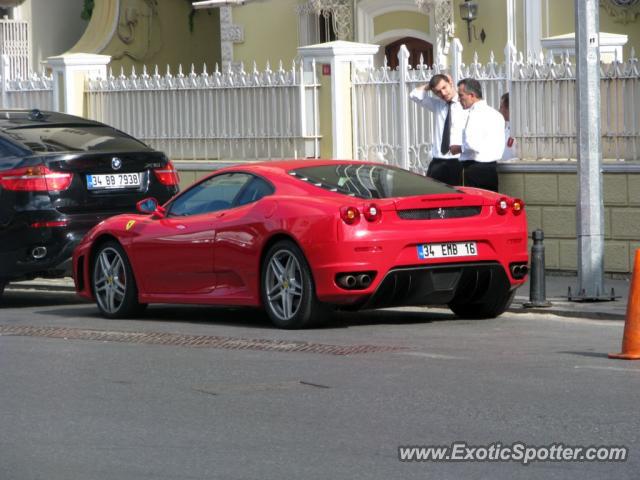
[[288, 292], [113, 283]]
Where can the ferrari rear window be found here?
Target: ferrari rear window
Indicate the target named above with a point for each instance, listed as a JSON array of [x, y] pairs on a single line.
[[369, 181]]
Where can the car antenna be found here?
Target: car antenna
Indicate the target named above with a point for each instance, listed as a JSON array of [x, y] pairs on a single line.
[[36, 114]]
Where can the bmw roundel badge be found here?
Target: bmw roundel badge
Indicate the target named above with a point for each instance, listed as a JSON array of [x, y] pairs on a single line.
[[116, 163]]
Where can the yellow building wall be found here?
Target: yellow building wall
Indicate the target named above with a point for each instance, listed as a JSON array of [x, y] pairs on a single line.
[[166, 39], [270, 32], [400, 20], [562, 21], [492, 16]]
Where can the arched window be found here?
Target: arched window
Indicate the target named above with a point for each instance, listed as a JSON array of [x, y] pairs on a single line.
[[416, 48]]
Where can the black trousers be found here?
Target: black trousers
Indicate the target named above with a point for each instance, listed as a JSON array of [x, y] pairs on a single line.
[[446, 170], [480, 175]]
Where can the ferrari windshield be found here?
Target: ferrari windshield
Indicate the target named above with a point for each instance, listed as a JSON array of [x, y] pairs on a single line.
[[369, 181]]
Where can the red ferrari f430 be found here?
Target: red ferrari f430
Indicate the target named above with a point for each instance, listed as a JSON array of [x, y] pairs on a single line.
[[302, 237]]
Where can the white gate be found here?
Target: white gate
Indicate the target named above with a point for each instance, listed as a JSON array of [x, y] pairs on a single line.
[[390, 128], [231, 115]]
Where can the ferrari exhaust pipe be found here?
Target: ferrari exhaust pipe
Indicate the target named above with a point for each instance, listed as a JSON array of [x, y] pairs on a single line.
[[347, 281], [519, 270], [364, 280], [39, 252]]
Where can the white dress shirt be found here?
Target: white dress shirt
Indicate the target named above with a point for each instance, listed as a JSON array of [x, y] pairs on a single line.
[[439, 109], [483, 134], [510, 152]]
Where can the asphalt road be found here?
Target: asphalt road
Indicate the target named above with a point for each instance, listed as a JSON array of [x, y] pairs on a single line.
[[202, 393]]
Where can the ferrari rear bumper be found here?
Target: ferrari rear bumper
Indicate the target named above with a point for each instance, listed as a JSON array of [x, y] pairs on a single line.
[[438, 284]]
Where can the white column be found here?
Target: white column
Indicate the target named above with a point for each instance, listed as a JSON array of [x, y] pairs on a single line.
[[511, 22], [70, 72], [533, 25], [340, 56]]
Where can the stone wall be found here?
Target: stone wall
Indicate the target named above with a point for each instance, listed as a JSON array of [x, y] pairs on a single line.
[[550, 193]]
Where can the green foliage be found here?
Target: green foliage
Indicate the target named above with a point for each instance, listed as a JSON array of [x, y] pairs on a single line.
[[87, 10]]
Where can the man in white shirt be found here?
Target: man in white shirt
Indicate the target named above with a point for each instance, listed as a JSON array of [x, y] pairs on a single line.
[[482, 138], [510, 152], [448, 118]]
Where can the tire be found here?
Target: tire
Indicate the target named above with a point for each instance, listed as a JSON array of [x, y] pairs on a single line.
[[113, 283], [491, 306], [287, 288]]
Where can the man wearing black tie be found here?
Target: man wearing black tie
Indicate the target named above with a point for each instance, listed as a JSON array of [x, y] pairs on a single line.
[[448, 119]]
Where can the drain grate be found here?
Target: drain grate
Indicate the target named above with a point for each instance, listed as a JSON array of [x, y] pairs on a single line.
[[172, 339]]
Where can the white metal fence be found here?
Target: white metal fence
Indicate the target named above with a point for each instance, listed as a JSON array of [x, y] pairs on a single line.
[[543, 109], [389, 127], [231, 115], [15, 46]]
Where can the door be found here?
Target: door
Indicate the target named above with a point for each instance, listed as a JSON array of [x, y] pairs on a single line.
[[176, 252], [416, 48]]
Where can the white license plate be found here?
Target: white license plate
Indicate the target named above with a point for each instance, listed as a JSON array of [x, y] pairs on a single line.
[[113, 180], [446, 250]]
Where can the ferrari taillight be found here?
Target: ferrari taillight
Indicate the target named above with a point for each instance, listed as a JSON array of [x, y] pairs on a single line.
[[517, 206], [350, 215], [504, 204], [167, 175], [372, 213], [35, 179]]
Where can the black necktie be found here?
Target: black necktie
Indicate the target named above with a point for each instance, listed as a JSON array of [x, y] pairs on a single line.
[[446, 131]]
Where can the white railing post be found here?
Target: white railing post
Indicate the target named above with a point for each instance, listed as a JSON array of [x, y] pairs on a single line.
[[403, 93], [456, 60], [4, 80], [70, 71], [337, 59]]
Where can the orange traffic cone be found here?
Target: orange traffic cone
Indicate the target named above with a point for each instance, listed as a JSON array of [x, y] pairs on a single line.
[[631, 336]]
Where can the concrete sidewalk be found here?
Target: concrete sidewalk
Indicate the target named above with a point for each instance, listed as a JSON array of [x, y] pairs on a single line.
[[557, 290], [556, 293]]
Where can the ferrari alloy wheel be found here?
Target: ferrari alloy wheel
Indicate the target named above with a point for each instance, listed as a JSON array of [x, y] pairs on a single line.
[[113, 284], [288, 292]]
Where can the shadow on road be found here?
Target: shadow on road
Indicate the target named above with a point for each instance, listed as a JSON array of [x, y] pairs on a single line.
[[254, 318]]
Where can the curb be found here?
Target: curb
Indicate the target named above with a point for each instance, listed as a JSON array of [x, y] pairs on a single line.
[[573, 311], [40, 287]]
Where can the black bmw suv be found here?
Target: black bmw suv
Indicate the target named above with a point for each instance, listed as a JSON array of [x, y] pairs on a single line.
[[59, 176]]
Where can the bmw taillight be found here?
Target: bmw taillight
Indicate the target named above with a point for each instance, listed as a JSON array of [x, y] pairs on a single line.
[[372, 213], [503, 205], [167, 175], [350, 215], [38, 178]]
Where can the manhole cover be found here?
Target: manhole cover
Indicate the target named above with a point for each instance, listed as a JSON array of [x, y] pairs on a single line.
[[206, 341]]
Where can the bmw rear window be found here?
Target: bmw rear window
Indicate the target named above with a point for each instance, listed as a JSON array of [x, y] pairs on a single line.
[[74, 138], [369, 181]]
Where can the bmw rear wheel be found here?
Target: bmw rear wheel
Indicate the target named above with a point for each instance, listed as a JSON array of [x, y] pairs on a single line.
[[288, 292], [113, 283]]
